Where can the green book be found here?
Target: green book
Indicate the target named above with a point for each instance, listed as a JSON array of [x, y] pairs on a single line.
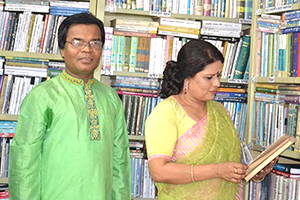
[[243, 58], [133, 52]]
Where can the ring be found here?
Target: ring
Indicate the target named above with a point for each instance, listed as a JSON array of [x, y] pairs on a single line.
[[235, 170]]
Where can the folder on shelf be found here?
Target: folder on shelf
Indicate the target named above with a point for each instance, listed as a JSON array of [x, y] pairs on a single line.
[[268, 155]]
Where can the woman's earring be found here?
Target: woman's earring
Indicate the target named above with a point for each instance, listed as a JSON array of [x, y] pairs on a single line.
[[185, 86]]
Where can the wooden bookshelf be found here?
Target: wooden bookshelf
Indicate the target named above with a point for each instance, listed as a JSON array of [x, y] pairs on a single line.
[[7, 117], [31, 55]]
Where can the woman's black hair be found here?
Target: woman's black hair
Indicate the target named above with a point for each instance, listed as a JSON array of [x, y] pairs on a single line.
[[192, 58], [81, 18]]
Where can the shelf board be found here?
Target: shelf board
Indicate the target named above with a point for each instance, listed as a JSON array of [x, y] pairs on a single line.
[[286, 153], [3, 180], [7, 117], [136, 137], [31, 55], [286, 80]]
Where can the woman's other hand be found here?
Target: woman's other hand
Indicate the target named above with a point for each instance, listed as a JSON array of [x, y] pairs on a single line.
[[265, 171]]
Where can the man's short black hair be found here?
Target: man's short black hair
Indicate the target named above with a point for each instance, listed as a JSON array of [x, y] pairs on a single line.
[[81, 18]]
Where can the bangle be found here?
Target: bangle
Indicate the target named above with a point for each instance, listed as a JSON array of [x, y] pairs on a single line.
[[192, 173]]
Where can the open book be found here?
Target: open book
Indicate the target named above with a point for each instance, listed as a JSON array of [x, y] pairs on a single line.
[[268, 155]]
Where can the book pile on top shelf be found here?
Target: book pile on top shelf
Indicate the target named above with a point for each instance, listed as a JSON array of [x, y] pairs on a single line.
[[234, 98], [28, 32], [41, 6], [17, 80], [7, 132], [179, 27], [139, 97], [276, 112], [280, 184], [236, 50], [213, 8], [142, 185], [55, 68], [67, 8]]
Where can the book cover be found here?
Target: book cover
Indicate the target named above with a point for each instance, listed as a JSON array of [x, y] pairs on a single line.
[[268, 155], [288, 168]]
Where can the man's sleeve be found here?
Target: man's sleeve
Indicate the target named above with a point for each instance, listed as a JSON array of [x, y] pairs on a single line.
[[25, 151], [121, 158]]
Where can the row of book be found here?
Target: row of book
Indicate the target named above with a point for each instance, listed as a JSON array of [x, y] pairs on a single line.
[[133, 46], [142, 185], [213, 8], [55, 7], [277, 50], [236, 56], [137, 109], [28, 32], [276, 112], [280, 184]]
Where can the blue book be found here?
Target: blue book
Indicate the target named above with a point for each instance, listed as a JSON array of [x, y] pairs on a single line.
[[288, 168], [295, 54]]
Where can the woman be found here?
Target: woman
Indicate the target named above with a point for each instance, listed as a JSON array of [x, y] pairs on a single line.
[[193, 148]]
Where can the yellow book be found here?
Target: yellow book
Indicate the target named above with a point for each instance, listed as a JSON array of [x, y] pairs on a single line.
[[179, 29]]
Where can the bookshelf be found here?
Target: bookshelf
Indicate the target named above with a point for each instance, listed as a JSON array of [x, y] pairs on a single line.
[[258, 77]]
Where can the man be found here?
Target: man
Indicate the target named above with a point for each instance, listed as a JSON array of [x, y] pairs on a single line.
[[71, 140]]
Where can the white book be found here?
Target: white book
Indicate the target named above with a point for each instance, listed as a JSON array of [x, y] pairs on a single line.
[[220, 32], [175, 48], [163, 53], [222, 25], [236, 59], [179, 22], [231, 60], [228, 56], [183, 6], [152, 59], [25, 71], [20, 93], [146, 5], [27, 7], [7, 94], [159, 52], [3, 142], [14, 94], [175, 7], [34, 32]]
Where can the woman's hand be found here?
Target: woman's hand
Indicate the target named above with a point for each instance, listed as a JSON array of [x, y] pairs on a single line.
[[230, 171], [260, 176]]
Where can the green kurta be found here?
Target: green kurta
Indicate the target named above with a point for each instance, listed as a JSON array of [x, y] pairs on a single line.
[[52, 156]]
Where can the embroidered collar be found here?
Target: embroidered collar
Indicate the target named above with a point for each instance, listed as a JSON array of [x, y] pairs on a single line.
[[73, 80]]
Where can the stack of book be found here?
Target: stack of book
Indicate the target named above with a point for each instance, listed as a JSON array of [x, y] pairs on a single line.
[[234, 99], [67, 8], [287, 170], [4, 195], [179, 27], [27, 5], [137, 149], [291, 21], [225, 29], [55, 68]]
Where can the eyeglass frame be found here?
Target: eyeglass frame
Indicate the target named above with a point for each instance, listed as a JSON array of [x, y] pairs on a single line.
[[84, 44]]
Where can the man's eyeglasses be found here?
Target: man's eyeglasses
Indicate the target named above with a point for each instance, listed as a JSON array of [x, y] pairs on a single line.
[[80, 44]]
